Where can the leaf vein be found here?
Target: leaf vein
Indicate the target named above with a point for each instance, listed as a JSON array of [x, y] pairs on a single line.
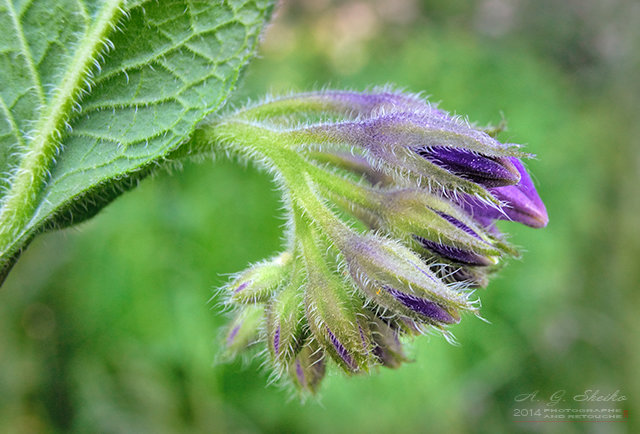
[[26, 51], [157, 54], [12, 122], [34, 168]]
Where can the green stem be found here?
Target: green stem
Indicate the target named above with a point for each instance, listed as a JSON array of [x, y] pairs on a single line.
[[354, 192], [308, 103], [297, 173]]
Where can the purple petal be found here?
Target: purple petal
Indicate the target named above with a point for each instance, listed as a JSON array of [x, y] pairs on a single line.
[[242, 286], [363, 338], [232, 334], [481, 169], [522, 202], [454, 253], [341, 350], [276, 340], [300, 373], [422, 306], [457, 223]]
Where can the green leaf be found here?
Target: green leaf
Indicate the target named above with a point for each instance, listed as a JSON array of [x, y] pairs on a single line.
[[95, 93]]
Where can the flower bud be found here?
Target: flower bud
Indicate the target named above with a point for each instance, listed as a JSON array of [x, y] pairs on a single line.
[[387, 347], [437, 226], [344, 103], [481, 169], [244, 329], [285, 321], [308, 368], [397, 279], [334, 320], [257, 283], [455, 154], [521, 202]]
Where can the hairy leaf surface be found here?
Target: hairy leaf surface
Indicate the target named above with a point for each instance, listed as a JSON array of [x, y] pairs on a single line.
[[94, 93]]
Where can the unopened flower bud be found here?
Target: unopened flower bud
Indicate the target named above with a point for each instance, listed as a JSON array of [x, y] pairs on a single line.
[[308, 368], [521, 202], [397, 140], [335, 323], [481, 169], [387, 345], [244, 329], [438, 226], [397, 279], [257, 283], [285, 321]]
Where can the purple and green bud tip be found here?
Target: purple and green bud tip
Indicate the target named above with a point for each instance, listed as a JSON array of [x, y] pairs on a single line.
[[258, 282], [308, 368], [391, 205], [285, 322], [481, 169], [387, 346], [244, 330], [521, 202]]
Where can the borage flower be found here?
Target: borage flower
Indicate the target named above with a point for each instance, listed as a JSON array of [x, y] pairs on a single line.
[[391, 204]]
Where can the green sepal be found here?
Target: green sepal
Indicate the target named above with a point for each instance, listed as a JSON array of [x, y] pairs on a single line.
[[387, 346], [244, 330], [308, 368], [285, 320], [258, 283]]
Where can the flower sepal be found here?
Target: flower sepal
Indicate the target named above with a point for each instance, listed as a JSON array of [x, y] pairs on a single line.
[[259, 281]]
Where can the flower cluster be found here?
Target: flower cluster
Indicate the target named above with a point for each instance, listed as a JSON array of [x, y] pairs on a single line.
[[391, 206]]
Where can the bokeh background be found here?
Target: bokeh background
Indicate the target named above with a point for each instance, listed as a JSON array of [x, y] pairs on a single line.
[[107, 327]]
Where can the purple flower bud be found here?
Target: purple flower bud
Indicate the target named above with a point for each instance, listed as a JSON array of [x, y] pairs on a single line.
[[258, 282], [456, 155], [342, 352], [481, 169], [308, 368], [454, 253], [334, 321], [429, 222], [457, 254], [285, 319], [424, 307], [521, 202], [397, 279], [387, 346], [244, 329]]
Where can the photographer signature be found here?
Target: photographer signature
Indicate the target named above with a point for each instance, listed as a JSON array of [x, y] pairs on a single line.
[[589, 395]]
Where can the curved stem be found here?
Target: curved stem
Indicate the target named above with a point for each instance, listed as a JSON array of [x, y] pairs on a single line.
[[297, 173]]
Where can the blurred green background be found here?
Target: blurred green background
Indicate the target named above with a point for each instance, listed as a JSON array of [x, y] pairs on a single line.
[[107, 327]]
